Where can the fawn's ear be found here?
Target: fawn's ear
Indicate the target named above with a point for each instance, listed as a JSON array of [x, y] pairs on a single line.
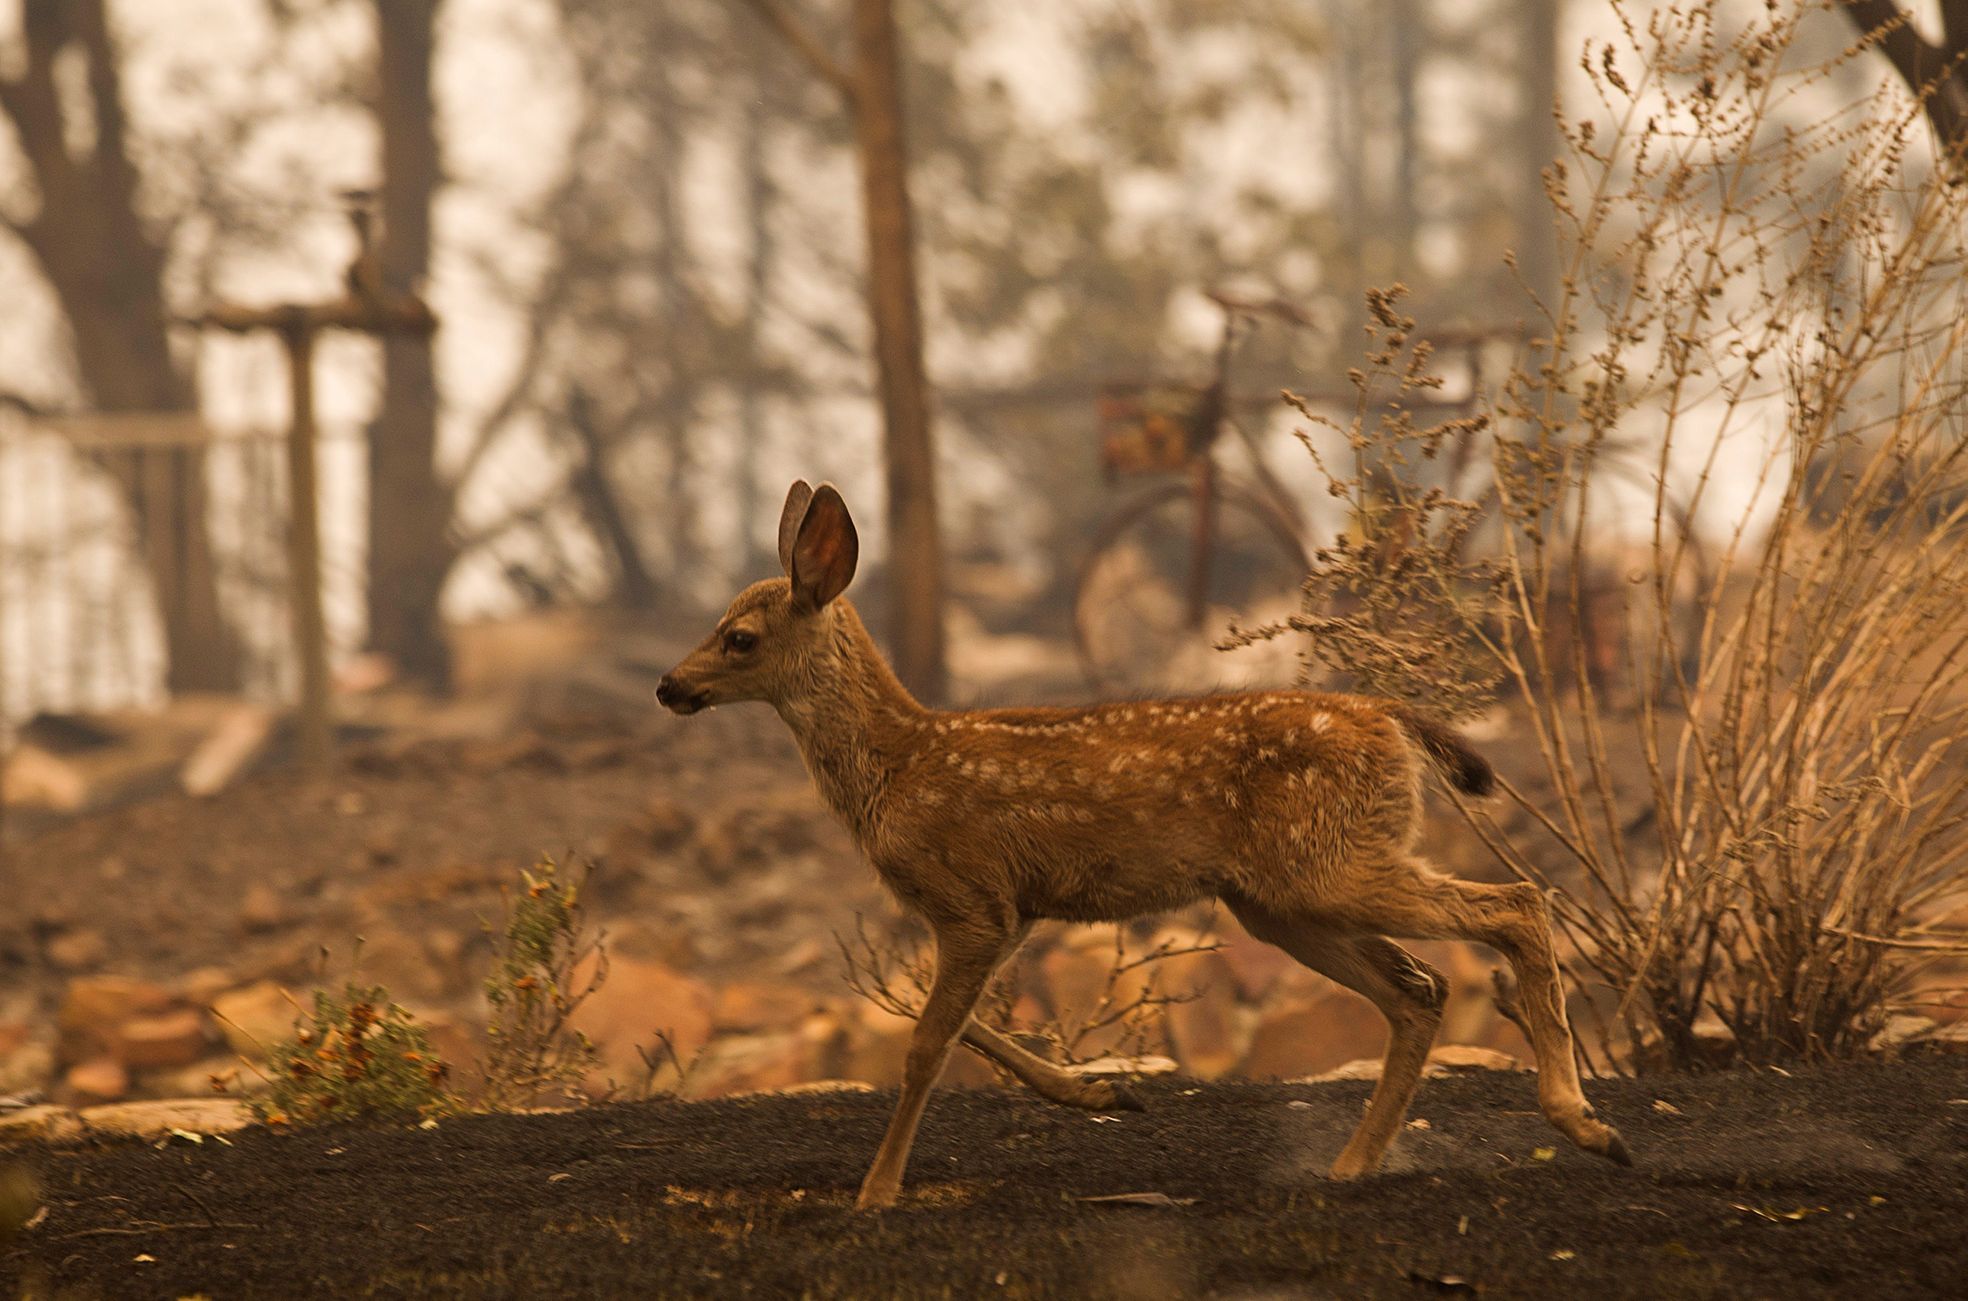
[[824, 550], [790, 516]]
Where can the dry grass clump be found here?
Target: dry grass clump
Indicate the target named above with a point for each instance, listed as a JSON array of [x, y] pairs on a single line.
[[1757, 817]]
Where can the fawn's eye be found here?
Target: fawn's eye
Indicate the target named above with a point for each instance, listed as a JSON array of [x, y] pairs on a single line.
[[737, 641]]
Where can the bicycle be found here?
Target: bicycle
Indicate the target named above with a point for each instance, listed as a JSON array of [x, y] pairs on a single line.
[[1170, 569]]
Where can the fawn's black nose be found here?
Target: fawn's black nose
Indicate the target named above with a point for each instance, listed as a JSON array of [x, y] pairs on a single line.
[[674, 696]]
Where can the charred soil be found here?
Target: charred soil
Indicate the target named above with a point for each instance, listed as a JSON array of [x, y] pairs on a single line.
[[1828, 1181]]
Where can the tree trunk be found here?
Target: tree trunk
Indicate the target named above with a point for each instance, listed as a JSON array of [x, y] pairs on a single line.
[[107, 272], [1936, 73], [409, 506], [914, 549], [755, 556], [677, 407], [1537, 235], [1407, 39]]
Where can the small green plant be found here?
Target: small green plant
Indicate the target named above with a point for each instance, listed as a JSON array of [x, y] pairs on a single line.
[[547, 963], [355, 1056]]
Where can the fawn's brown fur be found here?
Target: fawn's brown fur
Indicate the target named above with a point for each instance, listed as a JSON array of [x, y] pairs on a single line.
[[1298, 810]]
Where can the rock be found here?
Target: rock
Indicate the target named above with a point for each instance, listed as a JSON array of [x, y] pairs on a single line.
[[263, 909], [81, 949], [175, 1038], [157, 1118], [1470, 1016], [878, 1043], [1360, 1068], [35, 778], [639, 999], [1148, 1064], [761, 1005], [1452, 1058], [1209, 1032], [1449, 1059], [1076, 974], [99, 1079], [1309, 1035], [200, 986], [812, 1087], [28, 1066], [878, 1047], [256, 1017], [667, 823], [93, 1007], [1901, 1030], [399, 962], [753, 1063], [1253, 965], [197, 1079], [43, 1124]]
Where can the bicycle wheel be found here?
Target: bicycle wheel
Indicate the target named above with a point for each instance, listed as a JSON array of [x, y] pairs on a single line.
[[1138, 624]]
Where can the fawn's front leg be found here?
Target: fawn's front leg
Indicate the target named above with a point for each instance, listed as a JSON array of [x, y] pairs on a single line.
[[966, 955]]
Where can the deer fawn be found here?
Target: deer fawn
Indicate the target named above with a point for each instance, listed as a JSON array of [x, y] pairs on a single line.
[[1298, 810]]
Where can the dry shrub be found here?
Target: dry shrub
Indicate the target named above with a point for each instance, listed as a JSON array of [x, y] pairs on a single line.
[[547, 961], [1127, 1017], [1758, 818], [354, 1056]]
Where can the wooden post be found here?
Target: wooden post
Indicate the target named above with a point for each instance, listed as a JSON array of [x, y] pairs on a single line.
[[304, 548], [365, 310]]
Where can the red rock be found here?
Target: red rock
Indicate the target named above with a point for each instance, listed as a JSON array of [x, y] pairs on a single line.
[[1208, 1033], [761, 1005], [175, 1038], [93, 1007], [667, 822], [1254, 965], [82, 949], [639, 999], [1306, 1037], [100, 1079], [256, 1017], [263, 908]]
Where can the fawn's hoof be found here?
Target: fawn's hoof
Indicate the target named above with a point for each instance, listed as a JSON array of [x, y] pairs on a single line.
[[1596, 1136], [876, 1198], [1122, 1098], [1352, 1165]]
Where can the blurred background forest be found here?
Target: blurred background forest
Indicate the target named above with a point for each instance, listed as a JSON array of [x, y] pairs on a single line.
[[639, 226]]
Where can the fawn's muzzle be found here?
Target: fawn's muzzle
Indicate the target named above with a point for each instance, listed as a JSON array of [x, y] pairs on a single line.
[[679, 699]]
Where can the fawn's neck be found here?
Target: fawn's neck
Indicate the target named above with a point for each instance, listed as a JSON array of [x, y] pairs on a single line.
[[854, 721]]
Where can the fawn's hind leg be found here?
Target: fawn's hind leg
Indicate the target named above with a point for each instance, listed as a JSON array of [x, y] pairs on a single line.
[[1048, 1079], [1410, 898], [1408, 992]]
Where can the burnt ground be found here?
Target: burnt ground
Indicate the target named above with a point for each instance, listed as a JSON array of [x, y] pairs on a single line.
[[1846, 1180]]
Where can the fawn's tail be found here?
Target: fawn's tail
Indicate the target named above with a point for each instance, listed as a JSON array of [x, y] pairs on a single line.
[[1466, 770]]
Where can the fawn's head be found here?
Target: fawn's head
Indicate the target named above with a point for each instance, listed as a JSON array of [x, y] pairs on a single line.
[[777, 636]]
